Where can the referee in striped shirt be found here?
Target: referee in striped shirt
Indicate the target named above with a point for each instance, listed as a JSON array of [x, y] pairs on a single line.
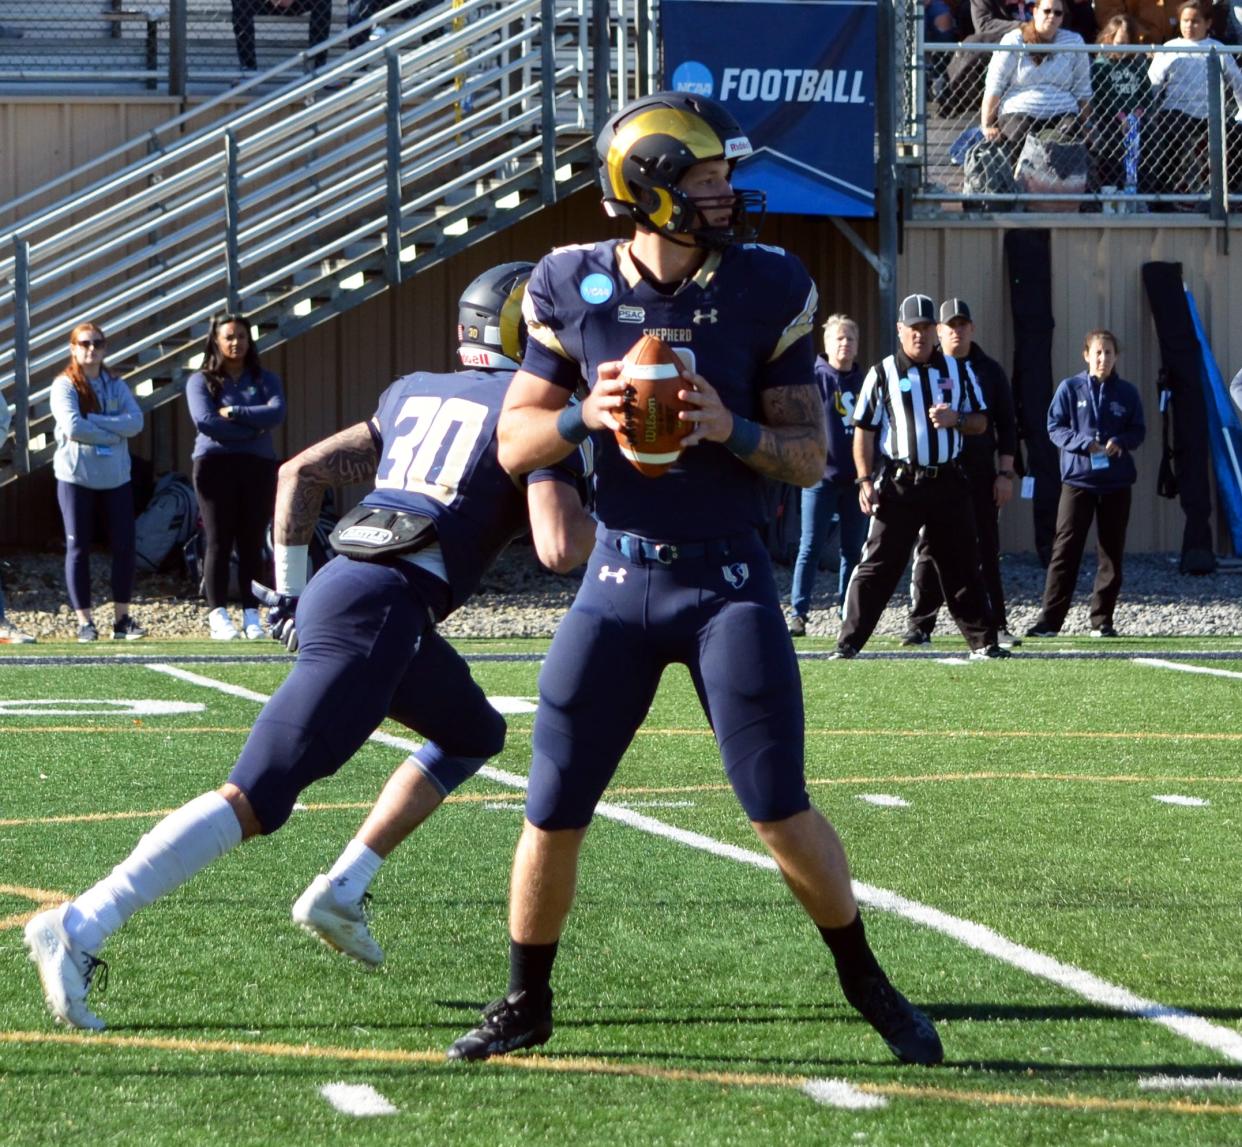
[[919, 405]]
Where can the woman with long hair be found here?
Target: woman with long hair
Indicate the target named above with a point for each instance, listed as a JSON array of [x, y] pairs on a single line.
[[1034, 91], [95, 417], [235, 404]]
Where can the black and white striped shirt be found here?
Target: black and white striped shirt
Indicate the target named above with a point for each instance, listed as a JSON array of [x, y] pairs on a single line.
[[896, 396]]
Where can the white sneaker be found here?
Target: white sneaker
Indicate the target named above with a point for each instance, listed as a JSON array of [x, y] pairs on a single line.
[[251, 625], [221, 625], [343, 927], [64, 972], [11, 635]]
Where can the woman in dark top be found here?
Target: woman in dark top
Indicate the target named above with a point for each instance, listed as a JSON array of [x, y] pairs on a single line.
[[234, 403], [1119, 84]]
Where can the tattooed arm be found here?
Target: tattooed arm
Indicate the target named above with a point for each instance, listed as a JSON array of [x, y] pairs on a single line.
[[345, 458], [792, 435]]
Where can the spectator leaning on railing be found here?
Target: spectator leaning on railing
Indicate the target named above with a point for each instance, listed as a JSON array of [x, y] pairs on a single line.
[[1030, 91], [1177, 162]]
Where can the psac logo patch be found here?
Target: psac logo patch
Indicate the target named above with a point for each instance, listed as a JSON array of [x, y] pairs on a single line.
[[630, 314], [596, 289]]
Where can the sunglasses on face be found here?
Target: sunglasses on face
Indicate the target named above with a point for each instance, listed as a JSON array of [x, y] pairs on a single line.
[[1056, 14], [96, 343]]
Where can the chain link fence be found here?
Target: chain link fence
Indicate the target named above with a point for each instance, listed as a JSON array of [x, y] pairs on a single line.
[[1117, 129]]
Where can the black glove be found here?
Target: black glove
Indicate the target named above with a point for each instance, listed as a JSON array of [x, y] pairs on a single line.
[[281, 608]]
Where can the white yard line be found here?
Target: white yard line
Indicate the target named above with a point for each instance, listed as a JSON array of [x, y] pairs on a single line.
[[1224, 1041], [1188, 1083], [1160, 663], [839, 1093], [359, 1099]]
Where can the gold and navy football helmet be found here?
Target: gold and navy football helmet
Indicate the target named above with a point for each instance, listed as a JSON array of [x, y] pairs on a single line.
[[648, 146], [491, 333]]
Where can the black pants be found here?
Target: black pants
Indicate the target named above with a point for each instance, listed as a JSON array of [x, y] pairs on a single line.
[[236, 496], [926, 592], [244, 12], [941, 508], [79, 507], [1075, 512]]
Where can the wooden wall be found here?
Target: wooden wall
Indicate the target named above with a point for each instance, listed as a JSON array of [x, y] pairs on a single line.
[[1096, 282], [334, 373]]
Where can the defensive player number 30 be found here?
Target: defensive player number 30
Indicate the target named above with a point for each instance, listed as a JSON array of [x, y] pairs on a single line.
[[443, 431]]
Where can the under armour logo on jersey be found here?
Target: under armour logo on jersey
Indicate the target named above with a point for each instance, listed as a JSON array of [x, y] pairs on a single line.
[[701, 316], [737, 574], [617, 575]]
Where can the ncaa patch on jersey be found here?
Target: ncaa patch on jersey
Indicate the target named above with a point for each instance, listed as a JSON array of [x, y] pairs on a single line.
[[595, 289]]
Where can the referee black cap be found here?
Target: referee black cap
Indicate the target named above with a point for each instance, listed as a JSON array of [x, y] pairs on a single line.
[[916, 309], [952, 309]]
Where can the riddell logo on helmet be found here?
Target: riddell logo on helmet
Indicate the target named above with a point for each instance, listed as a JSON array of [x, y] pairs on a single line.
[[473, 357]]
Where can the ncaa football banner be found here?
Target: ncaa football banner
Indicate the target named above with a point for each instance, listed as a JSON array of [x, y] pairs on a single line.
[[799, 76]]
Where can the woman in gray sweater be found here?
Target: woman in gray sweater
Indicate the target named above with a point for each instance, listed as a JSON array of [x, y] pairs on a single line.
[[95, 417]]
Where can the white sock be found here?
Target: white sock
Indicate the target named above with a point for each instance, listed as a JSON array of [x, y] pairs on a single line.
[[182, 844], [353, 872]]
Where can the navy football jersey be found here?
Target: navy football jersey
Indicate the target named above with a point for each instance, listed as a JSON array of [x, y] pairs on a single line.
[[743, 322], [438, 459]]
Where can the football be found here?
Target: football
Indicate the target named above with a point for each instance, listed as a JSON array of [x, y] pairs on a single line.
[[650, 439]]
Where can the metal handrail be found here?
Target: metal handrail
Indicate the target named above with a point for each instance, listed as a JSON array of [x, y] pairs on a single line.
[[324, 180]]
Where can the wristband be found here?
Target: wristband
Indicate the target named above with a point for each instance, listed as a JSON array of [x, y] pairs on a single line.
[[744, 437], [864, 478], [1006, 474], [570, 424], [290, 563]]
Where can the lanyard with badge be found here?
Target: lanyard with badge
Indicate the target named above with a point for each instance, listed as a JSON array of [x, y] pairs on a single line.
[[1099, 461]]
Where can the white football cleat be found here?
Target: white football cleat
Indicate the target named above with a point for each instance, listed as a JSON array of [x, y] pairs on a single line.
[[342, 927], [252, 627], [221, 625], [64, 972]]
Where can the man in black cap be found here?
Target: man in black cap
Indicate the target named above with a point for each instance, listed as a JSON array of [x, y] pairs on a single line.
[[920, 405], [987, 459]]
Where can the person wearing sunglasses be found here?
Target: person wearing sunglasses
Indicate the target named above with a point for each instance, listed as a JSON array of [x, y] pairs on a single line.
[[235, 405], [95, 415], [1033, 91]]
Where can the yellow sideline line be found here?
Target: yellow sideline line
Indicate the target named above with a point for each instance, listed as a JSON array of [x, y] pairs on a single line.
[[678, 790], [581, 1065]]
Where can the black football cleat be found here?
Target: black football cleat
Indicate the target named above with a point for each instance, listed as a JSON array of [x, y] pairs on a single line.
[[509, 1024], [910, 1035]]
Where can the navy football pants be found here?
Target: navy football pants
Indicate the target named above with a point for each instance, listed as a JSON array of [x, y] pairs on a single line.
[[720, 616], [367, 650]]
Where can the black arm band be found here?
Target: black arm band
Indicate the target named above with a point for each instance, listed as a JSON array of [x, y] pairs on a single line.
[[570, 424], [744, 437]]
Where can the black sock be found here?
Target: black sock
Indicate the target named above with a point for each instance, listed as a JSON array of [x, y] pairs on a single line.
[[530, 968], [851, 951]]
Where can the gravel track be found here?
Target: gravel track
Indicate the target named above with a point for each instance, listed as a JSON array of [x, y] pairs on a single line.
[[520, 599]]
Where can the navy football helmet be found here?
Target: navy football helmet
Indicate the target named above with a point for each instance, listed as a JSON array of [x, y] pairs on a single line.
[[648, 146], [491, 332]]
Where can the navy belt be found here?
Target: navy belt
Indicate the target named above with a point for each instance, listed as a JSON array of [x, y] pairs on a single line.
[[647, 551]]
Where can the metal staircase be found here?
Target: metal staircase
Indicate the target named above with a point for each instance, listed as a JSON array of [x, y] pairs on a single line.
[[317, 197]]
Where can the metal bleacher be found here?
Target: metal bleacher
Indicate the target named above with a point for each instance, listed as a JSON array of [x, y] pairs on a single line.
[[310, 200]]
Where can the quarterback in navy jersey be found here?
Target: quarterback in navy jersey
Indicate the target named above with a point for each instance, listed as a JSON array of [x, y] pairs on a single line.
[[415, 548], [679, 573]]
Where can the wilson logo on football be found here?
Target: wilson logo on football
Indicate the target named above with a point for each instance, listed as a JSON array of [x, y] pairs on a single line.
[[651, 433]]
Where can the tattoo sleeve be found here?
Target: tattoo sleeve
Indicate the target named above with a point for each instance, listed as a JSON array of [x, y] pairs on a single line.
[[342, 460], [794, 444]]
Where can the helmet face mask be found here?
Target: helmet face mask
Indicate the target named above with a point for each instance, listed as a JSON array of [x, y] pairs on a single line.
[[491, 332], [647, 148]]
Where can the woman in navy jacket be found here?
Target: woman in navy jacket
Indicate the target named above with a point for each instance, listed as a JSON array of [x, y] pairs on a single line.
[[1095, 420], [235, 404]]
